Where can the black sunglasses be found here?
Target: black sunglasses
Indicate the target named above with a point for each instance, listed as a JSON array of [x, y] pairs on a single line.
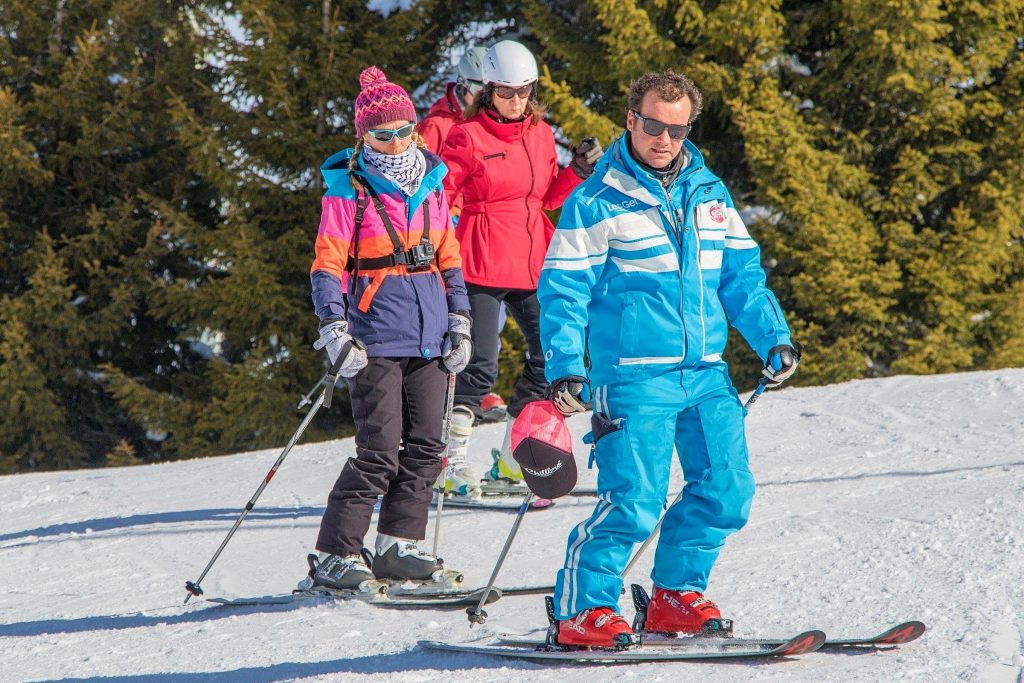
[[389, 134], [654, 127], [506, 92]]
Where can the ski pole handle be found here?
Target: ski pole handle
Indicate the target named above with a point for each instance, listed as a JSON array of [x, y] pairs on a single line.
[[332, 374]]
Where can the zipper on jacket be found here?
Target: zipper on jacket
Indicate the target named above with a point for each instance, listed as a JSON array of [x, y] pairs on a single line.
[[674, 221], [682, 277], [495, 156], [533, 181], [700, 271], [700, 278]]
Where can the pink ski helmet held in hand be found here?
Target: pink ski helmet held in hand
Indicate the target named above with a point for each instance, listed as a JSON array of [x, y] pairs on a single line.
[[542, 446]]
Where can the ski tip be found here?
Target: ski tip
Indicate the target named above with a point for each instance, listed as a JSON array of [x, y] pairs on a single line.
[[801, 644], [901, 633]]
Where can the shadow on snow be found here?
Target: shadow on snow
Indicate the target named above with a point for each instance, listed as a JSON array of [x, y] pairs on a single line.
[[894, 473], [178, 517]]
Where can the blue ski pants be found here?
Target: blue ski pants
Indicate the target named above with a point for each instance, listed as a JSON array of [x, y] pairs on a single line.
[[698, 411]]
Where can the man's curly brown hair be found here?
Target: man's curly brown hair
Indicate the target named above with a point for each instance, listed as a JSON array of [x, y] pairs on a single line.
[[669, 86]]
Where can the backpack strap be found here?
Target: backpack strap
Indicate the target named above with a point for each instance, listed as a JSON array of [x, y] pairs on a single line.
[[412, 258], [354, 265]]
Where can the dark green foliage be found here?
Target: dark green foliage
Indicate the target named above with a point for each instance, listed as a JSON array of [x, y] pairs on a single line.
[[83, 91], [161, 193], [159, 189], [872, 138]]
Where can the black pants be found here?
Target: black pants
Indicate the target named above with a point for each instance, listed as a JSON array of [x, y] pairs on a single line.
[[479, 377], [398, 407]]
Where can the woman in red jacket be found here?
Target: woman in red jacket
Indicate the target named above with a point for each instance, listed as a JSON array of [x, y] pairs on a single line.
[[502, 160]]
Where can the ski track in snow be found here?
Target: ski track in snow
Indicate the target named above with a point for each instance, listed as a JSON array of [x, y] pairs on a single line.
[[878, 501]]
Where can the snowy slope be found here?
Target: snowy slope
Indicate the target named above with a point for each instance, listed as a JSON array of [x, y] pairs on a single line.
[[878, 501]]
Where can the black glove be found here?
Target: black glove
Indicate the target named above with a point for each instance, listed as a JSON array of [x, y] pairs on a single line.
[[584, 156], [781, 363], [566, 394]]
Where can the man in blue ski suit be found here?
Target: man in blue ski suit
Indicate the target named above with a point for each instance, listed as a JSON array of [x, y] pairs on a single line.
[[648, 267]]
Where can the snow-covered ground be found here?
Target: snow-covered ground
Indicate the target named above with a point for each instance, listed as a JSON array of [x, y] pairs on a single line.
[[878, 501]]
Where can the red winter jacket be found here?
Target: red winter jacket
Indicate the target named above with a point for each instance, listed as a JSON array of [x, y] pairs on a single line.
[[508, 176], [443, 114], [434, 128]]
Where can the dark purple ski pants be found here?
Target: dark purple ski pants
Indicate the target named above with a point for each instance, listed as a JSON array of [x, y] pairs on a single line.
[[398, 407]]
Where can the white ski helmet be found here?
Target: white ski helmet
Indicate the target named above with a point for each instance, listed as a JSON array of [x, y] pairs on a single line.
[[469, 76], [509, 63], [469, 65]]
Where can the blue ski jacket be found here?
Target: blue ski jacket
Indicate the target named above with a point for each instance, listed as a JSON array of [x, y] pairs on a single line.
[[641, 279]]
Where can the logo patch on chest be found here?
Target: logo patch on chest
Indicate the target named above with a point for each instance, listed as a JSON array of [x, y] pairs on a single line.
[[717, 213]]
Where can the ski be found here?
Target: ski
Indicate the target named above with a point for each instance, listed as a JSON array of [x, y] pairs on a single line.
[[400, 591], [392, 596], [399, 601], [493, 489], [483, 503], [900, 634], [897, 635], [799, 644]]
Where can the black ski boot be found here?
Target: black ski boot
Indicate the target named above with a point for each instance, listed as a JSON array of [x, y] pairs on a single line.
[[399, 559], [340, 573]]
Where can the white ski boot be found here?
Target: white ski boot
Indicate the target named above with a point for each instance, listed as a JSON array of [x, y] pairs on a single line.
[[460, 479], [505, 476]]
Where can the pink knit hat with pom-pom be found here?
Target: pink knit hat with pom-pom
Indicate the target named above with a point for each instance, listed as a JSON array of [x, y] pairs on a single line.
[[380, 101]]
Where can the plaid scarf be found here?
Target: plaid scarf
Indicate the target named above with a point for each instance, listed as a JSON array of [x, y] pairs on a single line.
[[405, 169]]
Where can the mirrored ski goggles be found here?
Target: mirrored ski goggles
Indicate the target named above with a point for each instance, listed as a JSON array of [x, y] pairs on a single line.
[[389, 134], [506, 92], [654, 127]]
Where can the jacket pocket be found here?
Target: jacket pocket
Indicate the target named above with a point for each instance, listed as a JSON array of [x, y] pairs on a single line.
[[602, 426], [628, 327]]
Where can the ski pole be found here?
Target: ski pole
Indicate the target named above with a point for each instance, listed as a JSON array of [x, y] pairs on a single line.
[[324, 400], [477, 615], [446, 430], [761, 385], [308, 398]]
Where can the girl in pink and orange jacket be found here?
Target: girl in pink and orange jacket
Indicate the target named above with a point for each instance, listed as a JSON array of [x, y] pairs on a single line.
[[394, 319]]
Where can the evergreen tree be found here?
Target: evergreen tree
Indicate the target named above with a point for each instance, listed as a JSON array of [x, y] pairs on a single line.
[[44, 392], [160, 188], [913, 86], [754, 135], [871, 144], [83, 99]]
